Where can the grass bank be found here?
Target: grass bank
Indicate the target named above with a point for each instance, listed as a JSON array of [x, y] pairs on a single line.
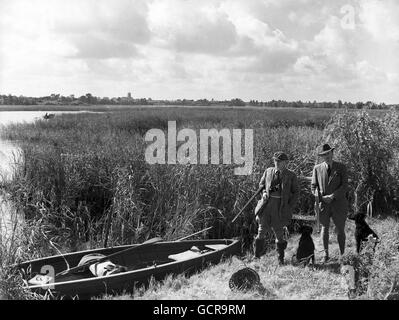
[[321, 282]]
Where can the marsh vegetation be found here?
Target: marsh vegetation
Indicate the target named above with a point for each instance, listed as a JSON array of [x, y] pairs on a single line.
[[84, 180]]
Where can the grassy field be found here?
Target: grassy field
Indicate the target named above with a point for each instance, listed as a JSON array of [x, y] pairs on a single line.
[[82, 169]]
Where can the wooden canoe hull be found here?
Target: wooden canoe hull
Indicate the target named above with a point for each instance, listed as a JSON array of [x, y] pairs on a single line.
[[153, 257]]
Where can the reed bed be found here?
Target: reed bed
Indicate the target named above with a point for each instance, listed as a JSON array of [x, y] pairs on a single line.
[[81, 170]]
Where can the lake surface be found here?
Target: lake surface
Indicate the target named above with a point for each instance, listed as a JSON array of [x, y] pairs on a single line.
[[10, 117]]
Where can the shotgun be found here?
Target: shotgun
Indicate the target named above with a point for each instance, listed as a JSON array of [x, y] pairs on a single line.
[[318, 198], [246, 205]]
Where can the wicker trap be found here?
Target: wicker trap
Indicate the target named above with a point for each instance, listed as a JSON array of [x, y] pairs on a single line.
[[244, 279]]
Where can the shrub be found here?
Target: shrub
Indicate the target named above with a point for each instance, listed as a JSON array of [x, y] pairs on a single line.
[[364, 143]]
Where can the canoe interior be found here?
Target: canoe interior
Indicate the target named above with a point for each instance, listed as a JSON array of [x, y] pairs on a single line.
[[143, 259]]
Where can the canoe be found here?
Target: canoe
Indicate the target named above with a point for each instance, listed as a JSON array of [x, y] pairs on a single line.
[[156, 260]]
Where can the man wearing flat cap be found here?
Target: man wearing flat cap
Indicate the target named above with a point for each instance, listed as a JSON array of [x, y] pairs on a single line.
[[330, 183], [274, 210]]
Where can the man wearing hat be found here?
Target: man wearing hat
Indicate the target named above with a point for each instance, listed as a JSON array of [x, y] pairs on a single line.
[[274, 210], [330, 183]]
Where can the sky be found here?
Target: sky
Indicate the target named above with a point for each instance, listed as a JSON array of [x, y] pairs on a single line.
[[222, 49]]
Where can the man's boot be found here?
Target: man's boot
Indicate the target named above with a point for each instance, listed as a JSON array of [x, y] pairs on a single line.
[[259, 246], [281, 246]]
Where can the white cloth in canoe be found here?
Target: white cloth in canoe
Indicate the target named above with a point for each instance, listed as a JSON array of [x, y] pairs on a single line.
[[101, 269], [40, 279], [194, 252]]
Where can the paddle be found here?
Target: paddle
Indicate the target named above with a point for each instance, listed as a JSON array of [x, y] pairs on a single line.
[[84, 266], [189, 236]]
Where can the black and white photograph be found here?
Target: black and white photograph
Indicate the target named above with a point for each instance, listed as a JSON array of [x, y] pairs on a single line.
[[201, 155]]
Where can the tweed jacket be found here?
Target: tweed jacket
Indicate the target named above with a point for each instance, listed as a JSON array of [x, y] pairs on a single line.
[[336, 185], [289, 191]]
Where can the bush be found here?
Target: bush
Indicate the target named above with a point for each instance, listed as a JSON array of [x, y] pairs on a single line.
[[364, 144]]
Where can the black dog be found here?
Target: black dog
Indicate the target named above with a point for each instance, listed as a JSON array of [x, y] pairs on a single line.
[[305, 252], [363, 232]]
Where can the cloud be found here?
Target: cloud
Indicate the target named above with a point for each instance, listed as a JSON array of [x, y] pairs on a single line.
[[123, 20], [92, 47], [258, 49], [369, 73], [206, 36], [260, 31], [194, 27], [309, 65], [272, 61], [99, 31], [380, 19]]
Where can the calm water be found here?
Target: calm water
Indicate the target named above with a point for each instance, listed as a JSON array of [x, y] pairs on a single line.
[[9, 117]]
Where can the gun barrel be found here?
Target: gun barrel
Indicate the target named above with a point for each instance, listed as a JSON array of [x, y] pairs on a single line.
[[246, 205]]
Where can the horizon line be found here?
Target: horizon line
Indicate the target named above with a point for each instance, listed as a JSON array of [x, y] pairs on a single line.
[[193, 99]]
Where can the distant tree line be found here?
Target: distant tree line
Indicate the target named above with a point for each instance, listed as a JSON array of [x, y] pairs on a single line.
[[315, 104], [89, 99], [57, 99]]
